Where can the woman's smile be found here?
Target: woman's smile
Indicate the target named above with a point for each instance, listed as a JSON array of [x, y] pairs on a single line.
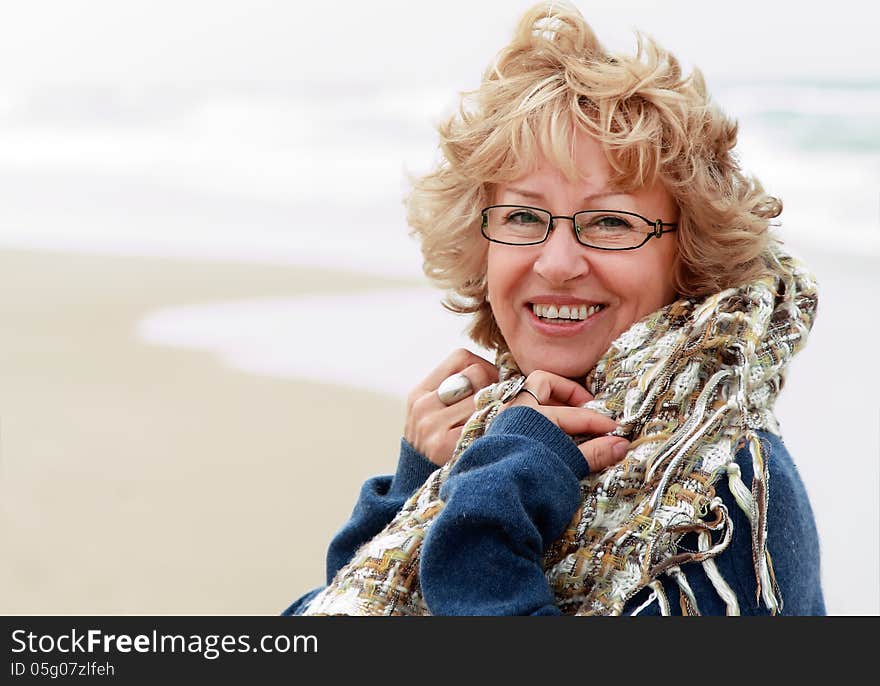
[[562, 316]]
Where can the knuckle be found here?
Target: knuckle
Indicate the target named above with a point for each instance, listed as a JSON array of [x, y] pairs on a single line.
[[420, 405], [460, 357], [540, 377], [478, 375], [412, 397], [539, 381]]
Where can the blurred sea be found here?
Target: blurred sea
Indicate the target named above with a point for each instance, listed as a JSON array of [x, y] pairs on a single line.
[[272, 174]]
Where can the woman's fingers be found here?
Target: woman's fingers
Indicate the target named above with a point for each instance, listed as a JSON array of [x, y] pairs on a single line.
[[552, 389], [428, 401], [604, 451], [599, 452], [481, 374], [431, 425], [579, 420], [541, 389], [459, 360], [440, 416]]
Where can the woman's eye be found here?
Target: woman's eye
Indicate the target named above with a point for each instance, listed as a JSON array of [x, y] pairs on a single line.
[[522, 218], [604, 223], [611, 222]]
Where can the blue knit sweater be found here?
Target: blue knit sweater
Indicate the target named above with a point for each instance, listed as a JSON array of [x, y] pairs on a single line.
[[511, 494]]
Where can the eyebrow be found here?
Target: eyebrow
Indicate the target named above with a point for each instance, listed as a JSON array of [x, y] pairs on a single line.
[[539, 196]]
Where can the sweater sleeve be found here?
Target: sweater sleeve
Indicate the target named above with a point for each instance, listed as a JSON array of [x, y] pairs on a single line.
[[509, 496], [381, 497], [792, 541]]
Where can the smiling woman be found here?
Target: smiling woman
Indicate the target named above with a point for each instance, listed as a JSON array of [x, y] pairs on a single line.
[[590, 214]]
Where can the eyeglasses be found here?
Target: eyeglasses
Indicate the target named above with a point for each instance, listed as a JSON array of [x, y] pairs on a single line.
[[602, 229]]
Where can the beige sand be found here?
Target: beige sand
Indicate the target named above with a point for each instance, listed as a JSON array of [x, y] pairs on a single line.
[[140, 479]]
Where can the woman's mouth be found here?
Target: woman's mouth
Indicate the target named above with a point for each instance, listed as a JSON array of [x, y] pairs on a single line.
[[565, 315], [555, 320]]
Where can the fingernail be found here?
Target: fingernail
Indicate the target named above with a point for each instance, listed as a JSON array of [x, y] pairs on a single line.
[[620, 449]]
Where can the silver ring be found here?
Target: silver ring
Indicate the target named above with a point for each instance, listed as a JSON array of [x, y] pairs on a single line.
[[526, 390], [454, 388]]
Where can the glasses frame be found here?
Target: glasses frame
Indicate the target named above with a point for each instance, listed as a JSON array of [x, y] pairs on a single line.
[[658, 225]]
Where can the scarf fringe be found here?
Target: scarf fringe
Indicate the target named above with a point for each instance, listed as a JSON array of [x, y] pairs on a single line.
[[764, 576], [661, 598], [687, 600], [754, 504], [651, 598], [721, 587]]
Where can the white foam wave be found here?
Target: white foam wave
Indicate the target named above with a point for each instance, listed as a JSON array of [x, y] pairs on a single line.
[[401, 336]]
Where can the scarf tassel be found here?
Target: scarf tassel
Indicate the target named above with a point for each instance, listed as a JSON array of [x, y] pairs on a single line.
[[721, 586], [687, 599], [660, 595], [754, 504]]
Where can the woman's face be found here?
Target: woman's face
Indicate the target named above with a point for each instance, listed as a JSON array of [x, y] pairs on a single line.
[[628, 284]]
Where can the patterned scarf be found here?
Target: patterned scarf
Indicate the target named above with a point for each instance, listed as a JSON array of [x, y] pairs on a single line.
[[689, 384]]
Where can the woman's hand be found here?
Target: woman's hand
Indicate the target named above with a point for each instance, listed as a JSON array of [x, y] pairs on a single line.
[[560, 400], [433, 427]]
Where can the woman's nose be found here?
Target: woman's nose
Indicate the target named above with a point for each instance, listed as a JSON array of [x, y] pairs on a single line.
[[562, 258]]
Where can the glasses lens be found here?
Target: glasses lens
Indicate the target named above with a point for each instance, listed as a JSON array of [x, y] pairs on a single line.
[[516, 225], [609, 229]]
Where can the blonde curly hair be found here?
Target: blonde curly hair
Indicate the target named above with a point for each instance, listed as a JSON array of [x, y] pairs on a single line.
[[654, 124]]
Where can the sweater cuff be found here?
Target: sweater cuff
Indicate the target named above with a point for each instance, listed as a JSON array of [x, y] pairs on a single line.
[[413, 469], [528, 422]]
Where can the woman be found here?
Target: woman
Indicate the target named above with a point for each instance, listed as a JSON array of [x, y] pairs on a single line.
[[589, 213]]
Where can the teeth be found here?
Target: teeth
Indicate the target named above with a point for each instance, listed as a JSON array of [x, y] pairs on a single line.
[[565, 312]]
